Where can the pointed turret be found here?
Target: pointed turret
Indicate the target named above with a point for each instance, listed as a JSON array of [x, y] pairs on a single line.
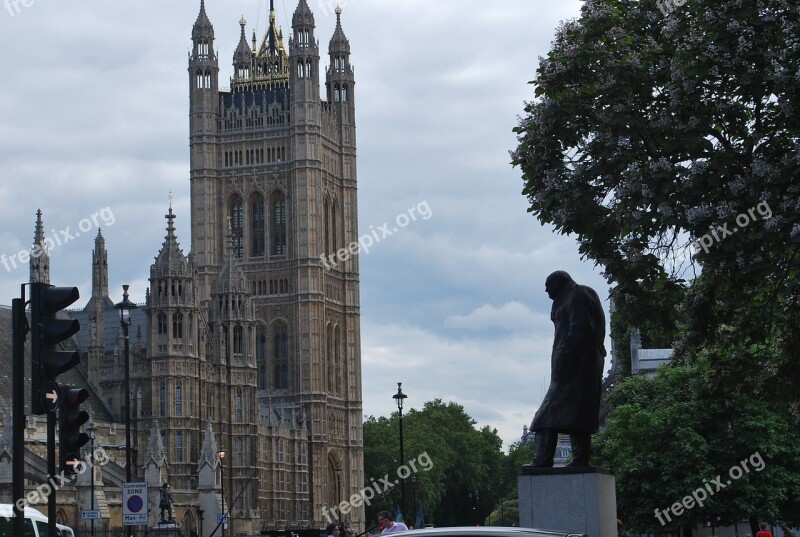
[[303, 17], [339, 42], [202, 29], [209, 453], [100, 270], [339, 80], [231, 279], [155, 449], [40, 258], [304, 64], [170, 260], [243, 56]]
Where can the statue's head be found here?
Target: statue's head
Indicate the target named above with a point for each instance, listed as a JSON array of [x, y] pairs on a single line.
[[556, 282]]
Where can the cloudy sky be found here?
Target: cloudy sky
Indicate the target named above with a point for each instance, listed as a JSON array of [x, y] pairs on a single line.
[[94, 131]]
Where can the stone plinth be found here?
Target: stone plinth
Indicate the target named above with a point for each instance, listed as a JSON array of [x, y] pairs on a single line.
[[570, 499]]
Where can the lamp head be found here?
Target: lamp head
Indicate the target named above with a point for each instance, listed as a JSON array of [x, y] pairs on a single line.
[[399, 396]]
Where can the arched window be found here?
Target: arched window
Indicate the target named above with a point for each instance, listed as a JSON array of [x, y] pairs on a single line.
[[261, 357], [177, 325], [330, 363], [337, 360], [236, 222], [308, 68], [239, 449], [280, 356], [257, 229], [162, 400], [237, 340], [344, 92], [336, 94], [334, 226], [238, 403], [179, 447], [178, 400], [326, 224], [162, 324], [278, 232]]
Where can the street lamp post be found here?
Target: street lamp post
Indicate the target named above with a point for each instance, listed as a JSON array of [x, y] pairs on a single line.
[[92, 430], [414, 507], [125, 307], [399, 397], [221, 455], [502, 505], [475, 508], [200, 519], [729, 435]]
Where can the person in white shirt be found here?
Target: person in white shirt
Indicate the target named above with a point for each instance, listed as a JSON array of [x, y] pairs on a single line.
[[388, 525]]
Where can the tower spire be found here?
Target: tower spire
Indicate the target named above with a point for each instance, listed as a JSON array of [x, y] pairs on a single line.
[[40, 258]]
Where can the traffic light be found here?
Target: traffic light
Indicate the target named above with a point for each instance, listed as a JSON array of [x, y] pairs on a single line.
[[46, 333], [71, 418]]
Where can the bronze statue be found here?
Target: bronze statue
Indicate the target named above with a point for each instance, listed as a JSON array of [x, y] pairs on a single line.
[[572, 402], [166, 503]]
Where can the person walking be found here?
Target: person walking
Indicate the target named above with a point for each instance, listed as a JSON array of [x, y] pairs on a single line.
[[763, 532], [388, 525], [333, 530]]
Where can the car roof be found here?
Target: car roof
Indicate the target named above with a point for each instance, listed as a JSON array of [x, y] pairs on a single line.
[[490, 531], [7, 509]]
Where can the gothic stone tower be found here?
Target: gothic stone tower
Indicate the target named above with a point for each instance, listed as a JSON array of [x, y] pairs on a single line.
[[273, 166]]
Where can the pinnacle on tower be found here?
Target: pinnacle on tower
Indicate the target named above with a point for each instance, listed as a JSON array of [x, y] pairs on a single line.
[[339, 41], [40, 258], [202, 27], [303, 17]]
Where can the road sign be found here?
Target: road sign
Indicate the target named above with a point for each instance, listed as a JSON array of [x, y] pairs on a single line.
[[222, 519], [134, 504], [90, 515]]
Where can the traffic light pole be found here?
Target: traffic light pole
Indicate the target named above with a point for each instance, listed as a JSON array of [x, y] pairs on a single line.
[[51, 470], [19, 330], [47, 362]]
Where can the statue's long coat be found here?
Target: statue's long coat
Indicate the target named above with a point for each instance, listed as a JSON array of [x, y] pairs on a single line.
[[572, 402]]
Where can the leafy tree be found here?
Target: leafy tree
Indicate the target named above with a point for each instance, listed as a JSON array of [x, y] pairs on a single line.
[[669, 436], [457, 487], [506, 513], [650, 132]]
